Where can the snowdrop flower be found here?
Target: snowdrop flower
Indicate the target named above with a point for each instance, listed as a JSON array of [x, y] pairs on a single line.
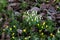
[[13, 37], [10, 29], [51, 34], [14, 26], [44, 23], [42, 33], [28, 13], [32, 20], [58, 31], [24, 30]]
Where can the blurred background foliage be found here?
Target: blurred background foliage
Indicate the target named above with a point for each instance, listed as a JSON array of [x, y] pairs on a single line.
[[27, 25]]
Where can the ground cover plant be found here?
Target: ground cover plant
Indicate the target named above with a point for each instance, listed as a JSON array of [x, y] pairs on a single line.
[[29, 19]]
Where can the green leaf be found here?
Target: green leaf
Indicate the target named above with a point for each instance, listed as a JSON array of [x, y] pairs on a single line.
[[53, 38], [49, 38]]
